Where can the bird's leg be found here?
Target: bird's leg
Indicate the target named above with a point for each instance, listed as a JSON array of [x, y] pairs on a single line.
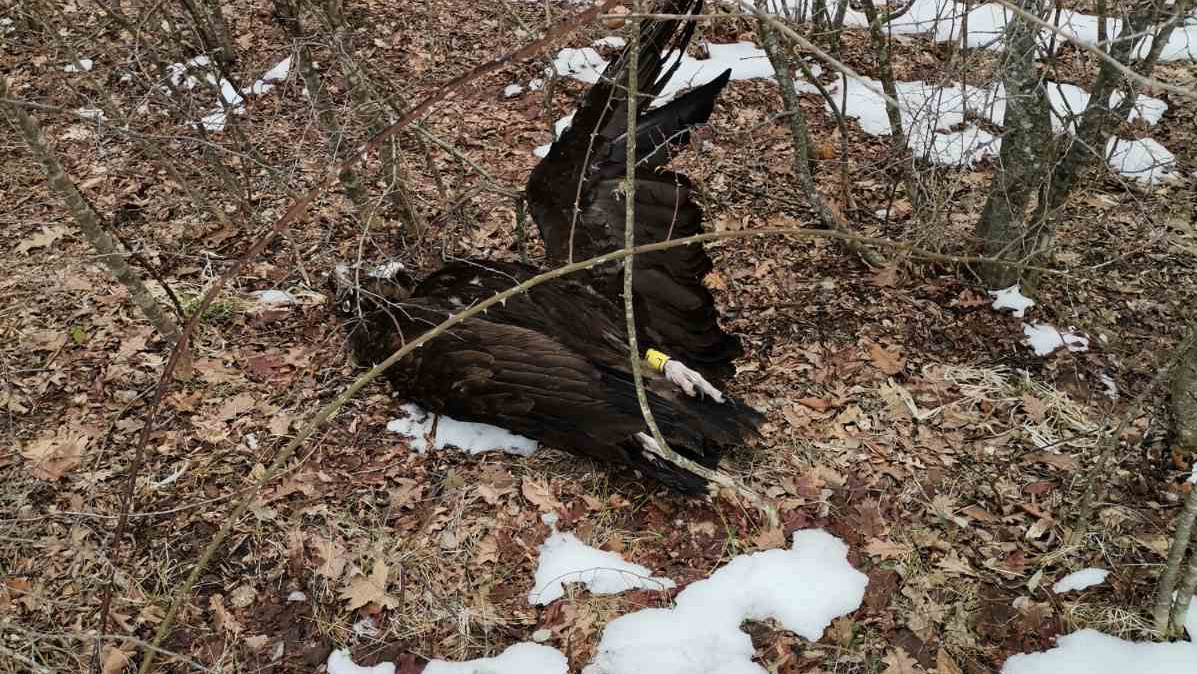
[[714, 477], [683, 377]]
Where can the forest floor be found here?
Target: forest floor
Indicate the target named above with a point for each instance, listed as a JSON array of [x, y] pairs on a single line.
[[905, 416]]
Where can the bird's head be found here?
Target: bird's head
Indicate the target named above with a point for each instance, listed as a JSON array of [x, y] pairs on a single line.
[[359, 289]]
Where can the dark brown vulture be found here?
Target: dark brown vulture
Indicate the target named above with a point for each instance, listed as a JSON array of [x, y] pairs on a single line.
[[550, 364], [586, 167]]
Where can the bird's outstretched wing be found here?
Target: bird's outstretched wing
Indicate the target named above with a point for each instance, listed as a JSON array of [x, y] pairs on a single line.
[[577, 195]]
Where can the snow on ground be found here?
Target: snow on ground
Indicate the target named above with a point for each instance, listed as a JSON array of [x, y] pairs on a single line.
[[468, 436], [1142, 159], [277, 73], [945, 21], [929, 110], [83, 65], [199, 69], [1079, 580], [746, 60], [565, 559], [339, 662], [512, 90], [1091, 652], [559, 128], [1111, 388], [1013, 299], [1045, 339], [274, 297], [522, 658], [612, 41], [803, 588]]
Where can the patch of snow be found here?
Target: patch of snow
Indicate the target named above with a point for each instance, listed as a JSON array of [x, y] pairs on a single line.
[[746, 60], [1142, 159], [274, 297], [512, 90], [522, 658], [229, 93], [1079, 580], [541, 635], [297, 595], [1111, 387], [1182, 46], [277, 73], [179, 73], [929, 111], [1091, 652], [94, 114], [612, 41], [6, 26], [1045, 339], [584, 64], [1013, 299], [339, 662], [804, 588], [536, 84], [83, 65], [565, 559], [559, 128], [470, 437], [214, 121]]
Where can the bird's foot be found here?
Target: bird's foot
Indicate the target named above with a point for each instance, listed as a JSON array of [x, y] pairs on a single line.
[[690, 381]]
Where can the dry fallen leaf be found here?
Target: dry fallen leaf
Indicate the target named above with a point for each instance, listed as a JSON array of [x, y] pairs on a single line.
[[888, 549], [886, 277], [540, 495], [899, 662], [236, 406], [770, 538], [362, 589], [1035, 408], [1061, 461], [42, 239], [333, 556], [487, 549], [224, 618], [889, 362], [51, 457], [944, 663], [113, 660]]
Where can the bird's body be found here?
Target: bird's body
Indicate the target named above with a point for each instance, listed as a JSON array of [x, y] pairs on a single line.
[[577, 197], [550, 364]]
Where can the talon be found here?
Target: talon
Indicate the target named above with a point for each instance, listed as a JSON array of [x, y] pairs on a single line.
[[690, 381]]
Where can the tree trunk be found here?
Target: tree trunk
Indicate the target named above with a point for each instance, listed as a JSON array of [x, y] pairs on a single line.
[[1099, 120], [1184, 401], [1025, 158]]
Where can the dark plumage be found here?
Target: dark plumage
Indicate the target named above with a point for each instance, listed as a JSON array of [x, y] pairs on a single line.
[[675, 312], [551, 365]]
